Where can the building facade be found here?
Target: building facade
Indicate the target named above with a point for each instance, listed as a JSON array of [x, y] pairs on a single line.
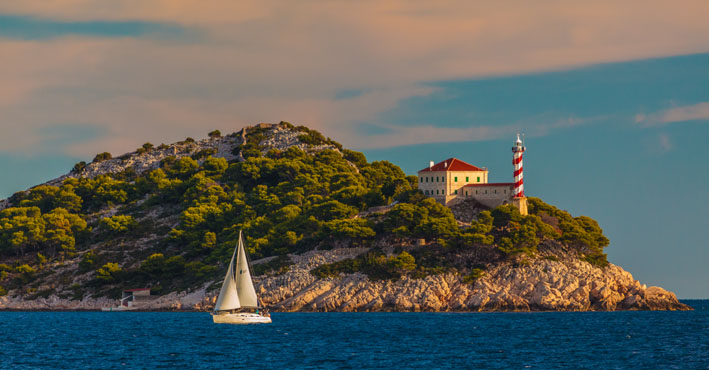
[[444, 181], [454, 180]]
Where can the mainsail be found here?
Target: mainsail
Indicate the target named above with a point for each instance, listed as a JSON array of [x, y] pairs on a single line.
[[244, 285], [228, 297]]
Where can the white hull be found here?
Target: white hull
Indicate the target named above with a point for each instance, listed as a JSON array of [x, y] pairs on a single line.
[[240, 318]]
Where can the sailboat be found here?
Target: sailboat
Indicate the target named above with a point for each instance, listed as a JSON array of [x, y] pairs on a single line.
[[237, 302]]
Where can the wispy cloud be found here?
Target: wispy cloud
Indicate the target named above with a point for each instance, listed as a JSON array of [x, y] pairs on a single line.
[[397, 135], [279, 60], [24, 27], [699, 111]]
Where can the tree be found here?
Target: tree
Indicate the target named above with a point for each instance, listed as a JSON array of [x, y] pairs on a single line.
[[350, 228], [332, 210], [210, 240], [183, 167], [215, 133], [155, 264], [357, 158], [404, 261], [60, 228], [215, 166], [27, 273], [88, 261]]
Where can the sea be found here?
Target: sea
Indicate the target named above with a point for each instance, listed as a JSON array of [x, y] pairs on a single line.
[[189, 340]]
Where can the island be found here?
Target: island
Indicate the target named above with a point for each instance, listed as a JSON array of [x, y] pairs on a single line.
[[326, 230]]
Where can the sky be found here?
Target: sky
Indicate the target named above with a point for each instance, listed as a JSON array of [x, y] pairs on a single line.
[[613, 97]]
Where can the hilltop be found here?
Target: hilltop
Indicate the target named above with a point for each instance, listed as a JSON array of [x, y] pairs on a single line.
[[325, 229]]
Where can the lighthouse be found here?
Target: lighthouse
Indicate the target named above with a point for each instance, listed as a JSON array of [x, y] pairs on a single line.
[[518, 198]]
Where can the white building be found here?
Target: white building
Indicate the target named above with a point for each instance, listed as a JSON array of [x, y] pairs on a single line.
[[454, 180]]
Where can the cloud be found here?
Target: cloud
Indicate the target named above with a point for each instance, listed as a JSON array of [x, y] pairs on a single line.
[[330, 65], [699, 111], [32, 28], [396, 135]]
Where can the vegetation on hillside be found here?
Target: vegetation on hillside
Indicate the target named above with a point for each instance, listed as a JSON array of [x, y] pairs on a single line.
[[114, 226]]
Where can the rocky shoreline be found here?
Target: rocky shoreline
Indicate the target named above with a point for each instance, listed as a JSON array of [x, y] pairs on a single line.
[[544, 284]]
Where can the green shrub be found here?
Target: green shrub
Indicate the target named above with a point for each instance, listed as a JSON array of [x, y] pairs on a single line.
[[102, 157], [204, 153], [117, 224], [597, 259], [160, 267], [474, 275], [78, 167], [109, 272], [373, 263], [88, 262], [215, 133], [77, 292], [41, 260], [3, 291], [278, 265], [25, 269]]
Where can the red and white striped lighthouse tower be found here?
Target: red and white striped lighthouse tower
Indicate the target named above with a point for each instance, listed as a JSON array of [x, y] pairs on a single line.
[[518, 198], [517, 151]]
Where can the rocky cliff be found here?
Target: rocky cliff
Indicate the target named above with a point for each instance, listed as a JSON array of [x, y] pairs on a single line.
[[544, 284]]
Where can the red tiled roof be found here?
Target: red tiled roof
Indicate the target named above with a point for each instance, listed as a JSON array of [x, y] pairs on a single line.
[[491, 184], [452, 164]]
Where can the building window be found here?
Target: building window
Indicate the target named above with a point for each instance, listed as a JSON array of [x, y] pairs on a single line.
[[426, 192], [466, 192], [455, 179], [478, 178], [466, 179], [476, 191], [485, 191], [495, 191], [456, 192], [436, 192]]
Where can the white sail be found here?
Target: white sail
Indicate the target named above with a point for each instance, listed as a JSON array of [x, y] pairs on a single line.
[[244, 285], [228, 297]]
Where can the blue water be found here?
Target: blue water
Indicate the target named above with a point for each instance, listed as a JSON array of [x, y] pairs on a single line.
[[131, 340]]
